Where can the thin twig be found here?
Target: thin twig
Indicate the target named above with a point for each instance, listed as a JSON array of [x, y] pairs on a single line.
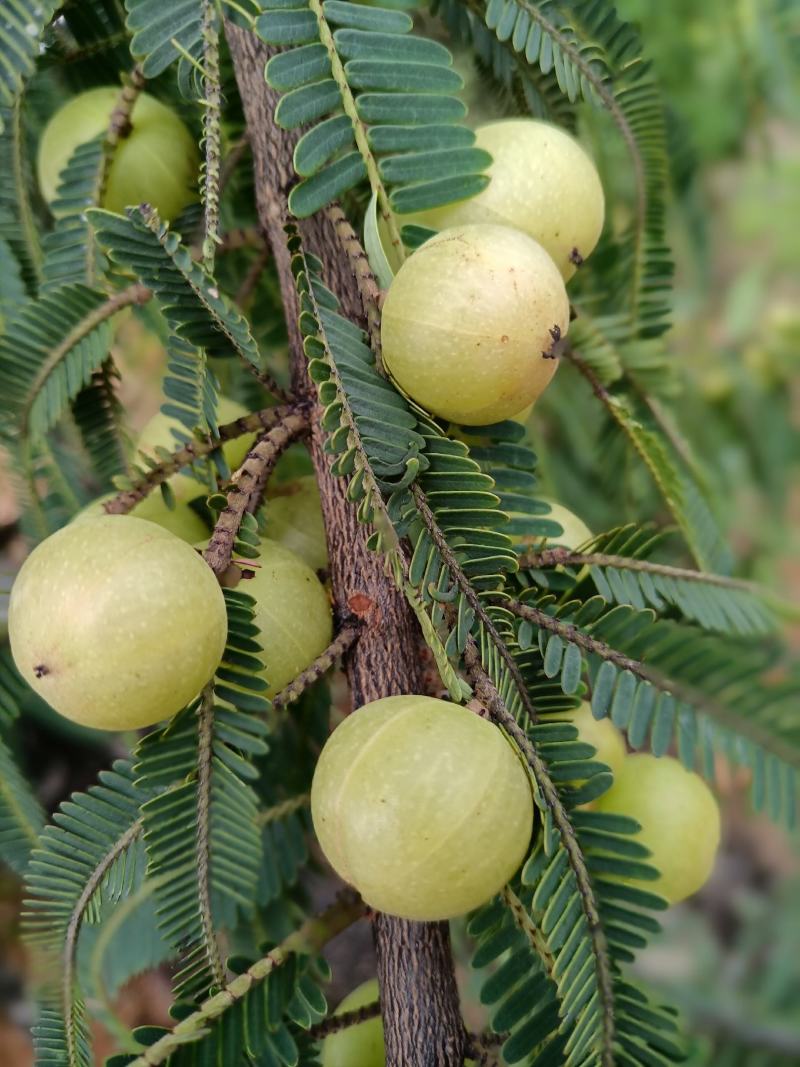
[[680, 690], [343, 641], [368, 287], [262, 457], [487, 693], [472, 598], [205, 738], [232, 160], [334, 1023], [195, 449], [558, 557], [309, 939], [283, 808], [212, 112]]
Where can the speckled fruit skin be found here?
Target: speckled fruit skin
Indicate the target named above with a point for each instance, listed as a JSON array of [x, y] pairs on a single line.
[[156, 163], [422, 805], [294, 519], [542, 182], [466, 322], [293, 613], [679, 818], [181, 520], [602, 734], [157, 433], [125, 622], [361, 1045]]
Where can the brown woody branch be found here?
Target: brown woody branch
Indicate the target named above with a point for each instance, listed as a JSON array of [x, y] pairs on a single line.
[[343, 641], [258, 464], [334, 1023], [193, 450]]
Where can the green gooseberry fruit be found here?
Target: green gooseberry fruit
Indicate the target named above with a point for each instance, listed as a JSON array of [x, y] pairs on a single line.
[[470, 321], [679, 817], [181, 520], [157, 433], [575, 531], [293, 613], [422, 805], [542, 183], [602, 734], [116, 622], [360, 1045], [155, 163], [293, 518]]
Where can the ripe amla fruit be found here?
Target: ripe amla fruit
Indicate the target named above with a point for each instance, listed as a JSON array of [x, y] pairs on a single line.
[[181, 520], [156, 163], [361, 1045], [293, 613], [422, 805], [575, 531], [293, 517], [602, 734], [541, 182], [470, 321], [679, 818], [116, 622]]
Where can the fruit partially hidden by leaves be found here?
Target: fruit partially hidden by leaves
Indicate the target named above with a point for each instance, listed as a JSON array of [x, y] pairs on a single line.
[[292, 611], [293, 518], [157, 433], [602, 734], [362, 1044], [575, 532], [116, 622], [181, 520], [542, 182], [422, 805], [679, 818], [470, 323], [156, 162]]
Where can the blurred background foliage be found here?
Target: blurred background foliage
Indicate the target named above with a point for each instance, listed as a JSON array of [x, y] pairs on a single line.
[[730, 70]]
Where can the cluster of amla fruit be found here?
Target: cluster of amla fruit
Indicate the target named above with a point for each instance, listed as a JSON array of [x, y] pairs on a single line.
[[118, 623], [472, 319]]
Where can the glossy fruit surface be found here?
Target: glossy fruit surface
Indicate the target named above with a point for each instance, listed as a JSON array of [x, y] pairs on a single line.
[[542, 182], [602, 734], [156, 163], [679, 818], [116, 622], [157, 433], [181, 520], [422, 805], [468, 321], [361, 1045], [293, 613], [294, 519]]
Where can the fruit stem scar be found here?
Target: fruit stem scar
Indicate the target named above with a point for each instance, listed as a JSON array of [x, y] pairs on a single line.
[[40, 670], [555, 333], [576, 258]]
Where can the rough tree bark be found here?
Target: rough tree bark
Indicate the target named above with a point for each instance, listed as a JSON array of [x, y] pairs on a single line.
[[420, 1005]]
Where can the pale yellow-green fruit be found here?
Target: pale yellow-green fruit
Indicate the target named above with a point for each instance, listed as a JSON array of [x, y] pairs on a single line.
[[181, 520], [294, 519], [542, 182], [116, 622], [679, 818], [361, 1045], [157, 433], [575, 531], [602, 734], [156, 163], [422, 805], [469, 321], [293, 613]]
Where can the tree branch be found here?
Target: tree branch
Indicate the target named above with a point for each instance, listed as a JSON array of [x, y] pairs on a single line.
[[258, 463], [195, 449], [334, 1023], [309, 939], [343, 641], [422, 1019]]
